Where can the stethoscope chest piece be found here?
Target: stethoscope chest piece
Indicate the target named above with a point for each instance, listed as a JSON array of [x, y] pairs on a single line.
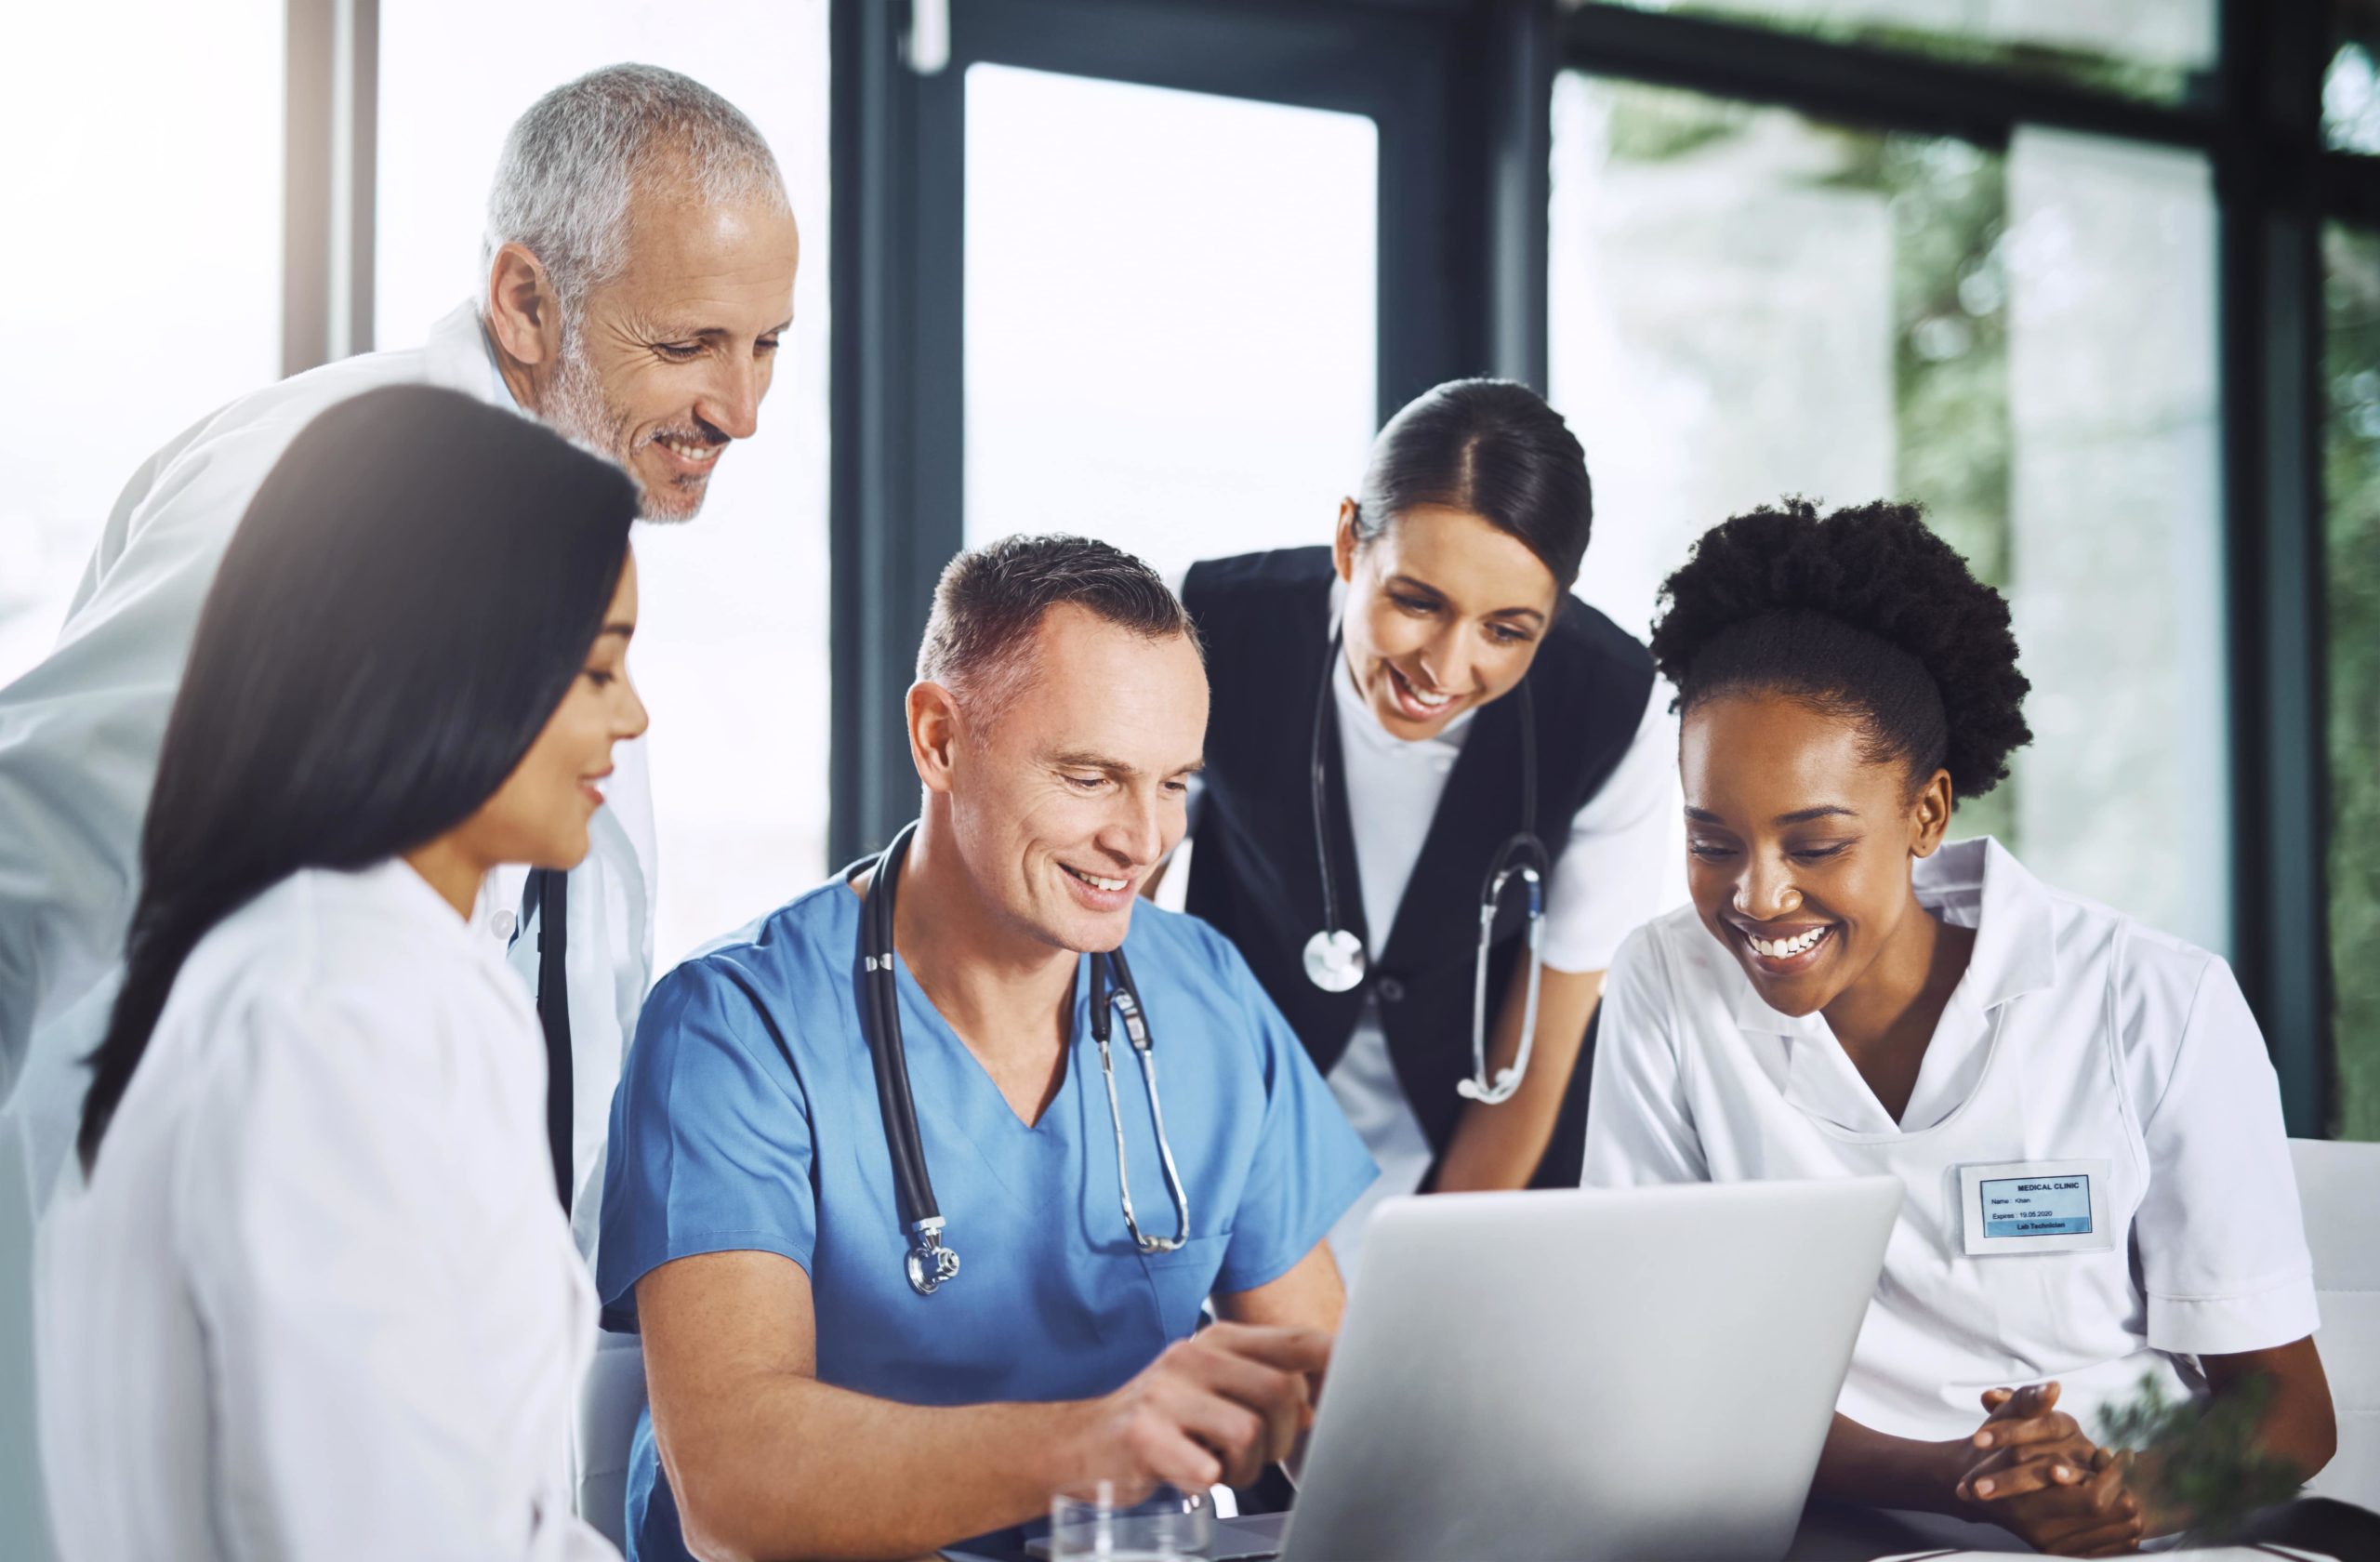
[[1334, 960], [930, 1263]]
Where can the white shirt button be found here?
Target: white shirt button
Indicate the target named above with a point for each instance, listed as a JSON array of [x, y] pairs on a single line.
[[503, 924]]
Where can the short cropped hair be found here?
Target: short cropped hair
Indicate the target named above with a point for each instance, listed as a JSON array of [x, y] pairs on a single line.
[[990, 599], [569, 167]]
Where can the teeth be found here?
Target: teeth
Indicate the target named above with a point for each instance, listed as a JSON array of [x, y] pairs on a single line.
[[1096, 882], [689, 450], [1786, 948], [1433, 701]]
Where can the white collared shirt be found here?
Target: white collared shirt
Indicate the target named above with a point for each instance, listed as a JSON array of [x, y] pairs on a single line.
[[2076, 1034], [79, 736], [318, 1299], [1610, 877]]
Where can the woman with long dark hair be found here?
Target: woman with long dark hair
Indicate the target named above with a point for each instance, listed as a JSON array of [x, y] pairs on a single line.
[[314, 1294], [1405, 721]]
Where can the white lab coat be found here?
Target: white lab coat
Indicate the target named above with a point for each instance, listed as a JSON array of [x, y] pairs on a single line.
[[79, 737], [317, 1298]]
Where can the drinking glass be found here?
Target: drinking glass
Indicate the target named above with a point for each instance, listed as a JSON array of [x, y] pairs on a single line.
[[1100, 1523]]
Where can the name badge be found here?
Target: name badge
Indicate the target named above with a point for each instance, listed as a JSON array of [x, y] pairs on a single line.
[[2036, 1207]]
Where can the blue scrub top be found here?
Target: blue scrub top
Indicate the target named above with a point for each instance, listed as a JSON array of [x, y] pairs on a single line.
[[747, 1119]]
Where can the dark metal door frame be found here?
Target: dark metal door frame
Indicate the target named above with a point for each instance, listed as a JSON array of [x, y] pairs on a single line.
[[1461, 96]]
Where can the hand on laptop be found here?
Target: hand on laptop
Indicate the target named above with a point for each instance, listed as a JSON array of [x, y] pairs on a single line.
[[1215, 1407], [2039, 1478]]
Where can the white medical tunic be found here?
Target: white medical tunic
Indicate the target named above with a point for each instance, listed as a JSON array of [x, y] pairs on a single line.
[[317, 1298], [2076, 1034], [1609, 879], [79, 737]]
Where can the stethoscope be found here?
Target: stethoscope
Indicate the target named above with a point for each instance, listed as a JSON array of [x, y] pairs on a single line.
[[1334, 957], [930, 1261]]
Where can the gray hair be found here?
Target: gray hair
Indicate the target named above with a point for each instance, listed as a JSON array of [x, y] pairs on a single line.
[[571, 164]]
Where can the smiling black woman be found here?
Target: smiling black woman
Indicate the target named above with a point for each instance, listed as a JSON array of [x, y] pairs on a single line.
[[2080, 1106]]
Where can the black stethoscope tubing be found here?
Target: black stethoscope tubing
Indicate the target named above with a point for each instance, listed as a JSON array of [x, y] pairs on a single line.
[[1335, 958], [930, 1261]]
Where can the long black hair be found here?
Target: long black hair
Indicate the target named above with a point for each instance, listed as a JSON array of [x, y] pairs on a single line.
[[407, 599], [1866, 613], [1491, 448]]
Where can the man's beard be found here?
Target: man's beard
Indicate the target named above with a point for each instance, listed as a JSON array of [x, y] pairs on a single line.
[[577, 409]]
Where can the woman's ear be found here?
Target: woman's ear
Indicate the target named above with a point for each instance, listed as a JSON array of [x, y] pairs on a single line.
[[1343, 545], [1929, 816]]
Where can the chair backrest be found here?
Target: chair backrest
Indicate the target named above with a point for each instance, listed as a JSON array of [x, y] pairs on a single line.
[[2339, 1185], [609, 1403]]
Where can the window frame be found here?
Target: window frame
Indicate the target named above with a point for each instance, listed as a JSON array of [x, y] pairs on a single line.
[[2275, 183], [1460, 89], [1461, 95]]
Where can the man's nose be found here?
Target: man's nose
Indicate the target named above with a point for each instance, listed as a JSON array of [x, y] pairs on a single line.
[[1136, 832], [732, 402]]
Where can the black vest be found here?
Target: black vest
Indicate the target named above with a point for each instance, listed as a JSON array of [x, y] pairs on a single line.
[[1257, 875]]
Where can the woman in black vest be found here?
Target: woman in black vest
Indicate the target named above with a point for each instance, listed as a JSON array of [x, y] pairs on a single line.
[[1424, 699]]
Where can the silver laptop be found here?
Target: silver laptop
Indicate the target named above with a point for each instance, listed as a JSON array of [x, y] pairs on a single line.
[[1640, 1375]]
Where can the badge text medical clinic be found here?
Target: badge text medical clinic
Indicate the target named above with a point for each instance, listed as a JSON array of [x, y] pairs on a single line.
[[2036, 1207]]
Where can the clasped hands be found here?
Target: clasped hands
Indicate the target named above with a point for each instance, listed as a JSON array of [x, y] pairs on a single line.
[[2033, 1473]]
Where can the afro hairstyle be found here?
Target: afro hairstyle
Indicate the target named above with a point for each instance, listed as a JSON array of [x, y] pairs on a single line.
[[1865, 612]]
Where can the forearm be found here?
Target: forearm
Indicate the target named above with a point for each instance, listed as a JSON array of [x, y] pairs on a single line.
[[805, 1469], [1500, 1146], [1873, 1469]]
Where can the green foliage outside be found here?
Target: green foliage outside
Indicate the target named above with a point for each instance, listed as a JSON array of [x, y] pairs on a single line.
[[2351, 575], [1948, 203], [2204, 1456]]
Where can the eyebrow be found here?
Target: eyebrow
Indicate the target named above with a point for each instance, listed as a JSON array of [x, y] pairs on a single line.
[[1799, 816], [712, 333], [1084, 759], [1524, 611], [623, 631]]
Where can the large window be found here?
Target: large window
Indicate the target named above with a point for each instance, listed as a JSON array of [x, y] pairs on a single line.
[[1169, 314], [1747, 303], [731, 655], [140, 286]]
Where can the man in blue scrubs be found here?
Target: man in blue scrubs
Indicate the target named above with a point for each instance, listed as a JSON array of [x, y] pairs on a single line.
[[806, 1400]]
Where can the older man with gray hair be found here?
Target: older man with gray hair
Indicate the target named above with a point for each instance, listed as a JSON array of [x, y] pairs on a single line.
[[639, 269]]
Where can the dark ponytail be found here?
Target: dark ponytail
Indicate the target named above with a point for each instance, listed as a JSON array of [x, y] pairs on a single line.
[[405, 603], [1491, 448]]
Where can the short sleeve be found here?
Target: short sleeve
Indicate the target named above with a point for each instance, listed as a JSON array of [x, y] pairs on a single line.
[[1309, 1166], [1640, 1130], [1614, 871], [710, 1143], [2222, 1243]]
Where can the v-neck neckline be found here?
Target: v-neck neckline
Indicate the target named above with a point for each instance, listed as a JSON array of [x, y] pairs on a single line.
[[906, 985]]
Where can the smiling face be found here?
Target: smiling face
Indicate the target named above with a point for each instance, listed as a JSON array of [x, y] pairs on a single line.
[[667, 362], [1445, 611], [1078, 788], [540, 816], [1798, 845]]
